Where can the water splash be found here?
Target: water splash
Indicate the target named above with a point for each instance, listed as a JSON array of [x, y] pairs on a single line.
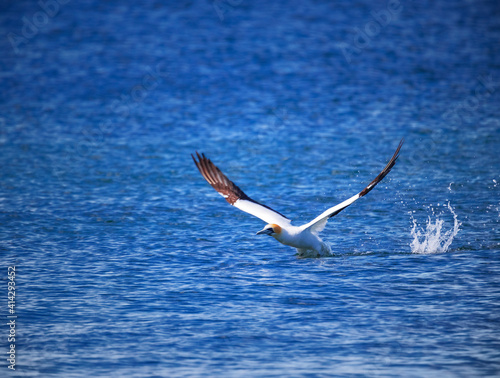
[[433, 239]]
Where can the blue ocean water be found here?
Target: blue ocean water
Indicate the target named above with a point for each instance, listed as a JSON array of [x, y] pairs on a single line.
[[129, 264]]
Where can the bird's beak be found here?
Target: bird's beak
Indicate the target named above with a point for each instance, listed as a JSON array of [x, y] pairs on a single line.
[[265, 231]]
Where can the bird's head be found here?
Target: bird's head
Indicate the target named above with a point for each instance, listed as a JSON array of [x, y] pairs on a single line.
[[270, 229]]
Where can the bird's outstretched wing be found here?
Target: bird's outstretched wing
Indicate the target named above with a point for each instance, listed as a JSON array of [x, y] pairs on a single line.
[[319, 223], [234, 195]]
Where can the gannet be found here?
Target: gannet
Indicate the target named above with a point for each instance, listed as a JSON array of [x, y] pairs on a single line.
[[304, 238]]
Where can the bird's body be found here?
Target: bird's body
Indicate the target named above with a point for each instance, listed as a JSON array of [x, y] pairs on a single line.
[[305, 238], [306, 242]]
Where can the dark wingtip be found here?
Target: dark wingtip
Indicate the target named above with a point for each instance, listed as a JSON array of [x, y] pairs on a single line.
[[384, 172], [401, 142], [194, 157]]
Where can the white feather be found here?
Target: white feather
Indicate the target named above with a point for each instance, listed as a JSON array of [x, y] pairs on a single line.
[[262, 212], [318, 224]]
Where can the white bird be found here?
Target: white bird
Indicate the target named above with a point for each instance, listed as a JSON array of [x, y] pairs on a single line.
[[305, 238]]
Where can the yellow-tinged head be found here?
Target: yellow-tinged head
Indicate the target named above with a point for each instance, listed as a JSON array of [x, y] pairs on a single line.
[[276, 228], [270, 229]]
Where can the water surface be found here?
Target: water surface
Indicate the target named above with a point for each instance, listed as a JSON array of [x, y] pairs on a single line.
[[130, 264]]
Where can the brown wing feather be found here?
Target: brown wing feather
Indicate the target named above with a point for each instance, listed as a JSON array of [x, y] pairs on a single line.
[[218, 180], [221, 183]]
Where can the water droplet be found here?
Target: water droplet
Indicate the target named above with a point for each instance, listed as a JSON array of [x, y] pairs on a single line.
[[432, 239]]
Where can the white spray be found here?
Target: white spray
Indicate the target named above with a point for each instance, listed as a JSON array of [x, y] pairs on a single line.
[[433, 239]]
